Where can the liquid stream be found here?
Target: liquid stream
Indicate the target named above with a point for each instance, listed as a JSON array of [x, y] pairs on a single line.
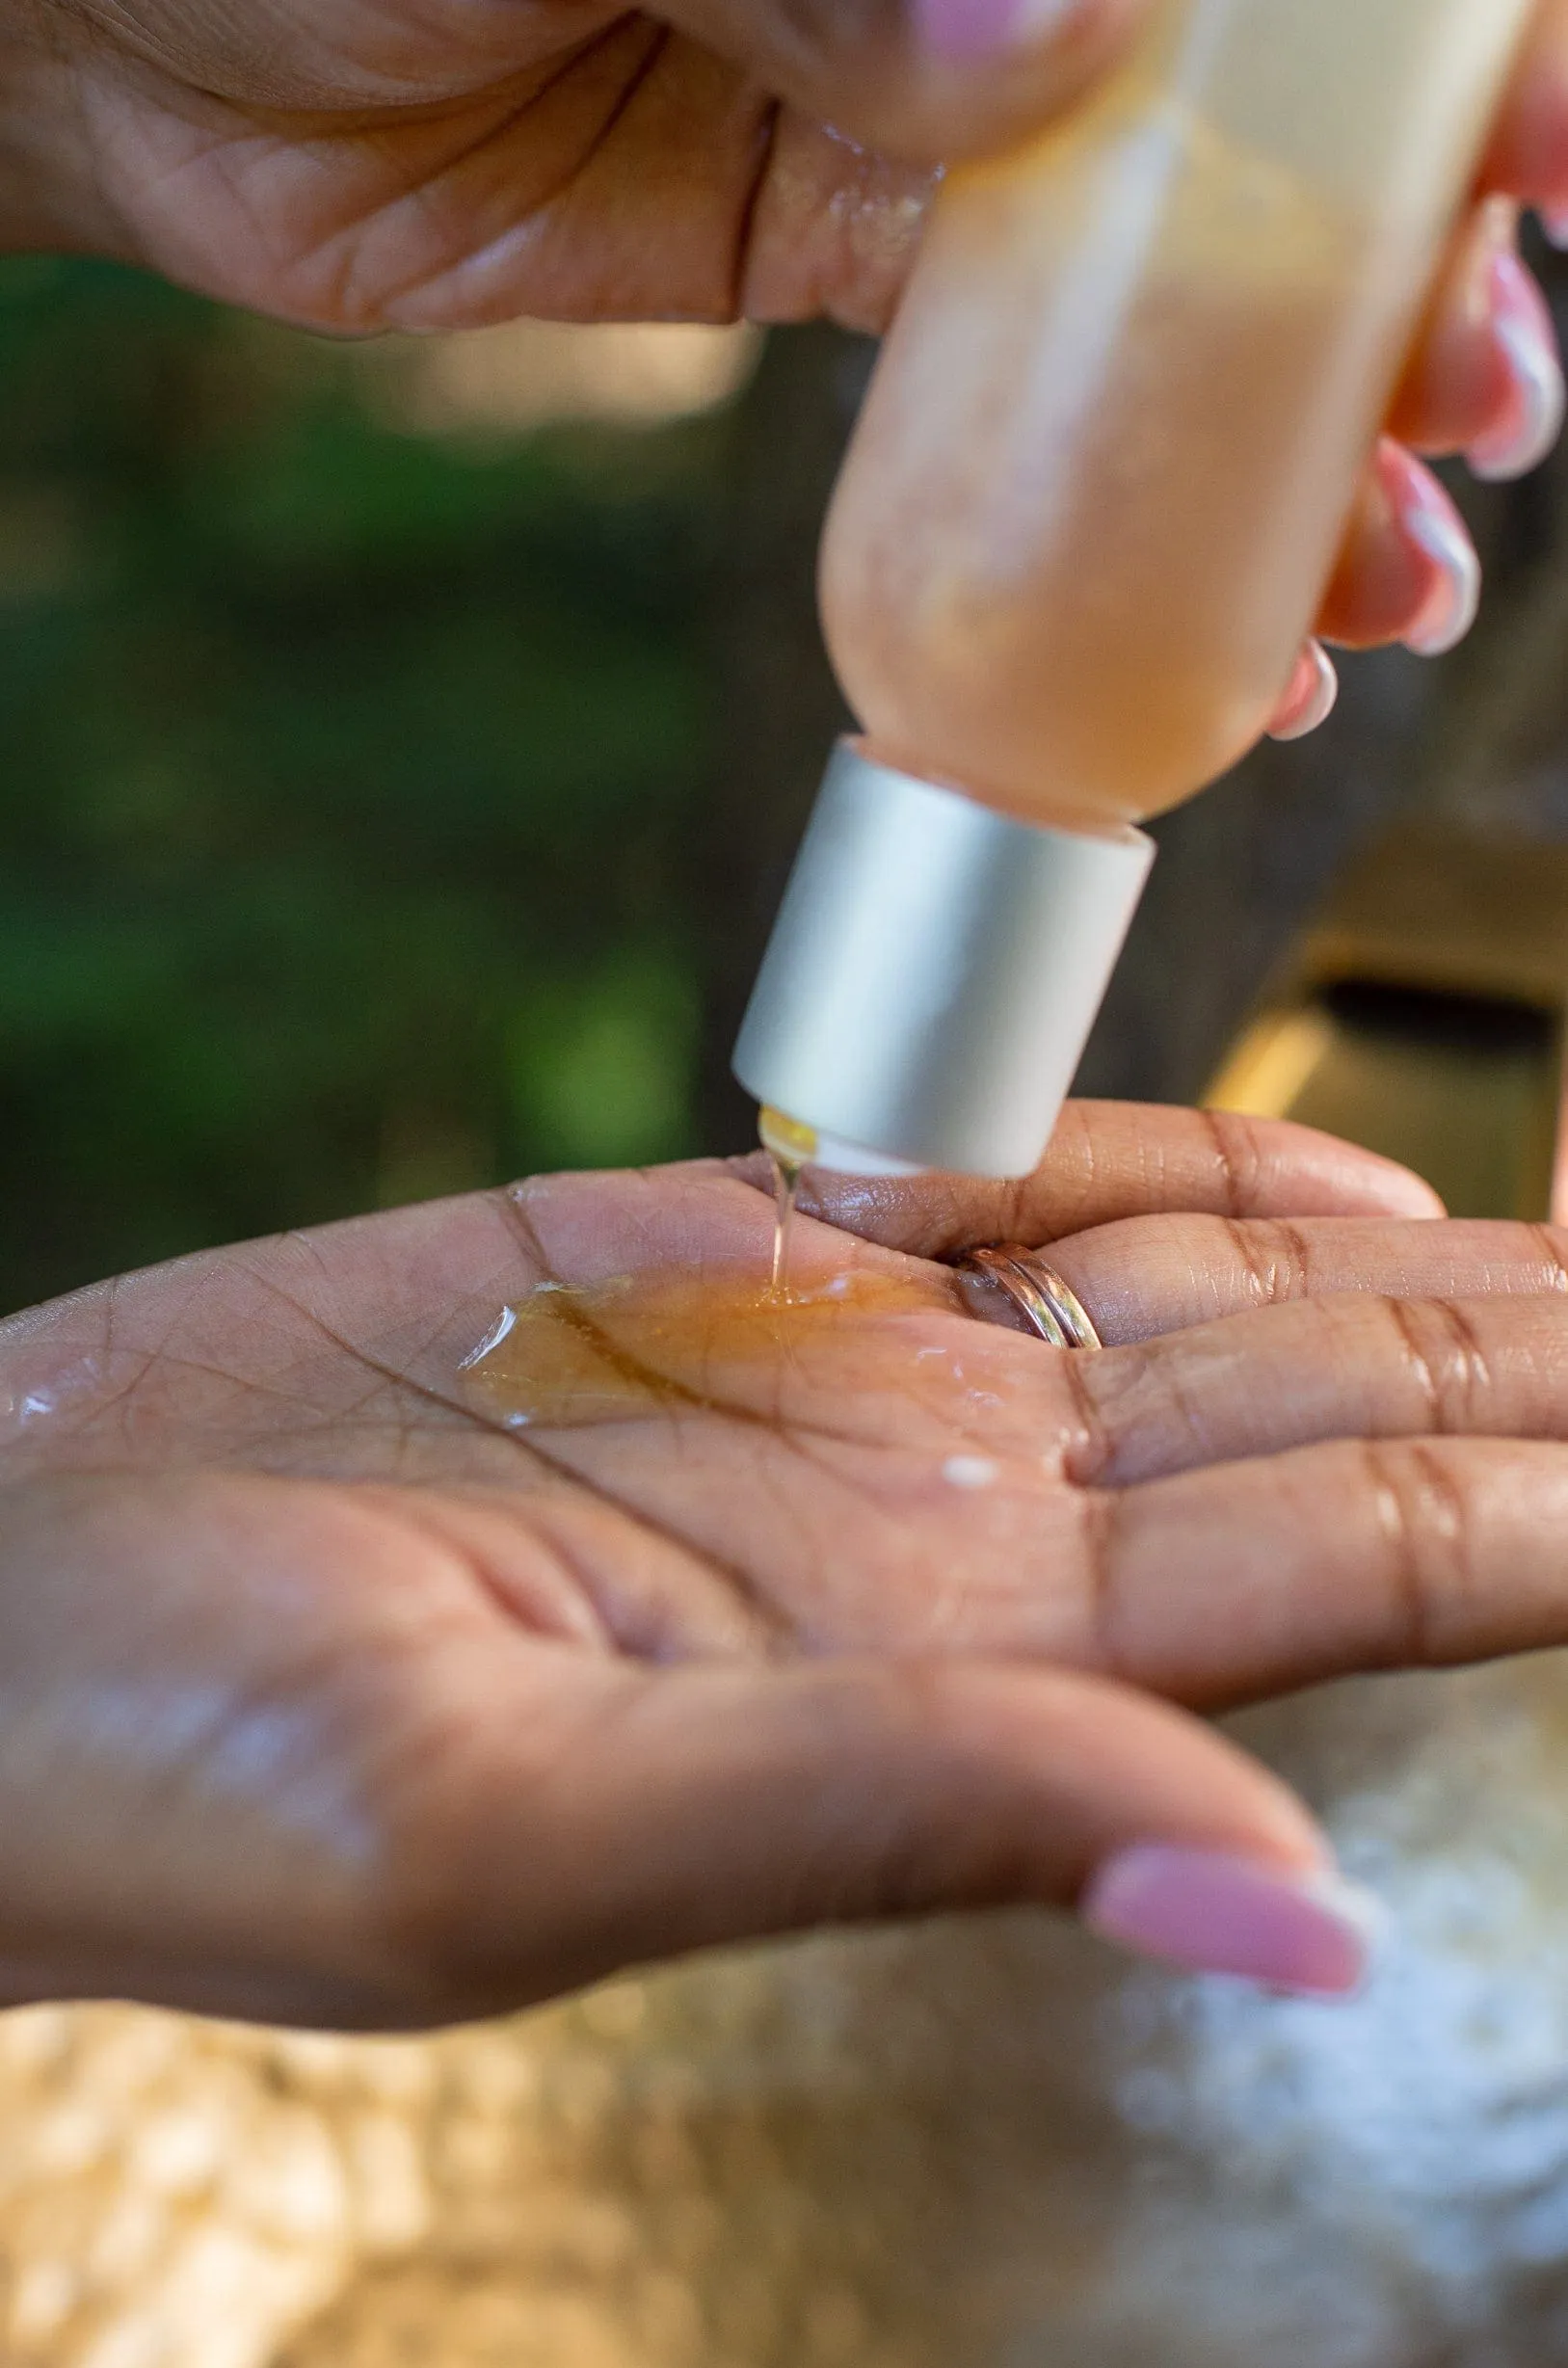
[[720, 1337], [786, 1175]]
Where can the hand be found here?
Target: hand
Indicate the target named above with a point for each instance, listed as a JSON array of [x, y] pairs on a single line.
[[325, 1697], [419, 163]]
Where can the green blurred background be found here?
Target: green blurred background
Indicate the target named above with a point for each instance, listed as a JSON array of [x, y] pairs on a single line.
[[402, 746], [347, 769]]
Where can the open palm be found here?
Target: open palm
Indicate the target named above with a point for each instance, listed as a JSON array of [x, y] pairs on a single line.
[[325, 1694]]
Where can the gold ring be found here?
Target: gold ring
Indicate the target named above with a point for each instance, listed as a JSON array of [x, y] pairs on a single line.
[[1049, 1308]]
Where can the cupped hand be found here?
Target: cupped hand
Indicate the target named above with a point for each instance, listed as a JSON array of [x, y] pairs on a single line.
[[326, 1695], [437, 164]]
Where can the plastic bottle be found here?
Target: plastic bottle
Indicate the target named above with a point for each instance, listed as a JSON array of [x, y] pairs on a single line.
[[1085, 522]]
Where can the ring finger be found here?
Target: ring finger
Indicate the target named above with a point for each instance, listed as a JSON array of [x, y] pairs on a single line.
[[1353, 1367]]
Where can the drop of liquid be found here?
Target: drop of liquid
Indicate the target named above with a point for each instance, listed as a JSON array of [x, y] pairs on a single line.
[[667, 1338]]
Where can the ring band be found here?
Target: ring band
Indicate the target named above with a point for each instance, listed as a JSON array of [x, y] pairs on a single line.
[[1050, 1308]]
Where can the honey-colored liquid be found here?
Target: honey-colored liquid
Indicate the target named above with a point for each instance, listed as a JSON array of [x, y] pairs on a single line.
[[639, 1345], [1100, 479], [1098, 602]]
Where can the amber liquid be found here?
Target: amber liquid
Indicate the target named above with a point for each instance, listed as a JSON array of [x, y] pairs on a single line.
[[1142, 657], [642, 1345], [1099, 600], [1099, 478]]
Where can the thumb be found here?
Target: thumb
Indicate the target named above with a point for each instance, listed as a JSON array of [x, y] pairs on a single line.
[[683, 1810], [922, 80]]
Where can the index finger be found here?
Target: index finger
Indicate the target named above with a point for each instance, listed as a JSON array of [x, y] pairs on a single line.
[[1117, 1159]]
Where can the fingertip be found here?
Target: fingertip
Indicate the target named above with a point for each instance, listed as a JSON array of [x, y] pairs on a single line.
[[1529, 419], [1296, 1171], [1307, 1931], [1311, 697], [971, 32], [1389, 1190], [987, 31], [1454, 599], [1458, 381], [1408, 571], [976, 75]]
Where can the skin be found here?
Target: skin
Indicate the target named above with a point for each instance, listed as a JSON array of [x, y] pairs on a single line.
[[325, 1697], [437, 164]]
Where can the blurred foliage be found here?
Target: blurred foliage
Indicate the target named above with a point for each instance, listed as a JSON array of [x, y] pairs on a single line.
[[348, 775]]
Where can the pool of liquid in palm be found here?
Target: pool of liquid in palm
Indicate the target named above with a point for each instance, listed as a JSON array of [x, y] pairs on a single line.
[[667, 1338]]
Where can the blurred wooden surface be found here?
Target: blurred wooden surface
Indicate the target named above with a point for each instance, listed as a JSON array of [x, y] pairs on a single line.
[[1425, 1013]]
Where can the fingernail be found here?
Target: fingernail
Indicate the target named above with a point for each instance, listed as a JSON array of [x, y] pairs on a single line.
[[967, 31], [1311, 697], [1455, 599], [1215, 1913], [1554, 223], [1524, 329]]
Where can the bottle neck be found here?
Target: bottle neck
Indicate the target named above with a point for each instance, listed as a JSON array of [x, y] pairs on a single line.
[[933, 973]]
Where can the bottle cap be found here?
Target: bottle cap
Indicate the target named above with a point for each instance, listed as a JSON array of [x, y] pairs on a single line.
[[934, 973]]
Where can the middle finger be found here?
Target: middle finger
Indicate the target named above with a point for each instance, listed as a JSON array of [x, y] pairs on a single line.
[[1151, 1275], [1485, 379]]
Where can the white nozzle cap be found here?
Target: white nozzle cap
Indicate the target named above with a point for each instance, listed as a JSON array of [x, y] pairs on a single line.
[[934, 972]]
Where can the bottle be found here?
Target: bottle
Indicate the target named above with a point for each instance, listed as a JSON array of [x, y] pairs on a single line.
[[1087, 517]]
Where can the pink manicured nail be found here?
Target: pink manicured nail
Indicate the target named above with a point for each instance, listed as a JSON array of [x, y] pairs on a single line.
[[1554, 223], [1311, 697], [1215, 1913], [967, 31], [1435, 526], [1525, 329]]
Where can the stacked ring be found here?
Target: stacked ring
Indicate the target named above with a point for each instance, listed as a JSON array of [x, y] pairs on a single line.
[[1050, 1307]]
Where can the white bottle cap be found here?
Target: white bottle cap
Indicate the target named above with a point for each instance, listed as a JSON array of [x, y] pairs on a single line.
[[933, 973]]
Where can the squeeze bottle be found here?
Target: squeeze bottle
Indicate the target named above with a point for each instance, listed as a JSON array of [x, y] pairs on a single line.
[[1091, 505]]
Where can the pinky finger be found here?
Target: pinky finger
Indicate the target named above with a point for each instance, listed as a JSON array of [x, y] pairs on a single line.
[[1311, 697], [1235, 1582]]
